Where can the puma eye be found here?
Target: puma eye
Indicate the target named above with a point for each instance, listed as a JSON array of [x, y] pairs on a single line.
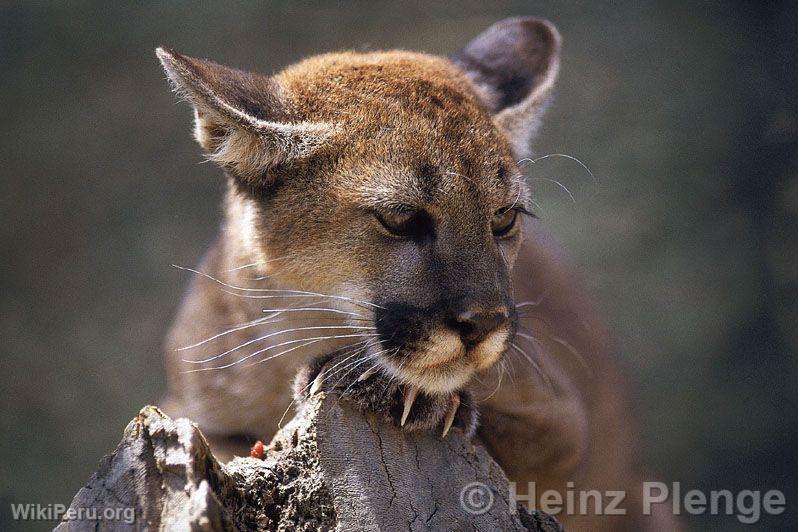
[[503, 221], [398, 223]]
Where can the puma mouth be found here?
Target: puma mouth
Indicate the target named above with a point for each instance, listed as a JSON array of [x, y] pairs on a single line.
[[489, 351], [442, 378], [443, 348], [444, 364]]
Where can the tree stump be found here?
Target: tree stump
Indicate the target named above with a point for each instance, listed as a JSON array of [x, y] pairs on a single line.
[[330, 468]]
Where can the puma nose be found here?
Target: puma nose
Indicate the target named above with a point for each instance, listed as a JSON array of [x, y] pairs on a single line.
[[474, 326]]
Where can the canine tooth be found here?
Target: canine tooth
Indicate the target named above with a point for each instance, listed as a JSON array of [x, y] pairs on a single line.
[[367, 374], [317, 382], [410, 395], [447, 424]]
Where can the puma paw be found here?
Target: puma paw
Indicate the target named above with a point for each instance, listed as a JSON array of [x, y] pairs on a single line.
[[373, 390]]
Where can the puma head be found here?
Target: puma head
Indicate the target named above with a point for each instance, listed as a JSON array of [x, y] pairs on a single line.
[[390, 178]]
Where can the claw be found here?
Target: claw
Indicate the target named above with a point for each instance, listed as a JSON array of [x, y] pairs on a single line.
[[410, 395], [447, 424], [317, 382], [367, 374]]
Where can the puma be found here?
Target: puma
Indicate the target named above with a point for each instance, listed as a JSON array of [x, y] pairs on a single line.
[[378, 235]]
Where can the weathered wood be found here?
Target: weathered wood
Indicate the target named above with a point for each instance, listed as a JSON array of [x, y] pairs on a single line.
[[331, 468]]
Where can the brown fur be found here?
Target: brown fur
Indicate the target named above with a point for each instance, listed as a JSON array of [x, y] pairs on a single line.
[[311, 154]]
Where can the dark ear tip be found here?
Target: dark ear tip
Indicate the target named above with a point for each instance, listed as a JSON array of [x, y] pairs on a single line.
[[544, 28]]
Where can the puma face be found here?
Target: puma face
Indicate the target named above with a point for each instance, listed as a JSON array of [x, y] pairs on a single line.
[[389, 179]]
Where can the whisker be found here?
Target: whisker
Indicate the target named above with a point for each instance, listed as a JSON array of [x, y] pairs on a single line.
[[257, 263], [270, 357], [501, 369], [517, 197], [535, 365], [368, 337], [241, 327], [575, 352], [570, 195], [270, 335], [308, 385], [266, 320], [315, 341], [310, 309], [327, 373], [355, 366], [504, 258], [394, 375], [306, 343], [288, 342], [537, 317], [533, 302], [265, 262], [566, 156], [288, 294], [282, 291], [506, 367], [244, 267]]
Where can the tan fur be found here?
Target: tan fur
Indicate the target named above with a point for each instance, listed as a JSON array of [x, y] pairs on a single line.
[[310, 153]]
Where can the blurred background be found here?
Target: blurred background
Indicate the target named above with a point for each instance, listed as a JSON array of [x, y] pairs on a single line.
[[687, 115]]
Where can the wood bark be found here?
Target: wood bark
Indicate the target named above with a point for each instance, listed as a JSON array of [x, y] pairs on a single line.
[[330, 468]]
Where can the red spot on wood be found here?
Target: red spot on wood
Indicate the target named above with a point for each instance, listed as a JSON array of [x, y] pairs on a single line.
[[257, 450]]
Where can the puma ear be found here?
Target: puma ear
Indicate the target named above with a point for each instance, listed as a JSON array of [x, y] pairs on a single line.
[[241, 118], [514, 64]]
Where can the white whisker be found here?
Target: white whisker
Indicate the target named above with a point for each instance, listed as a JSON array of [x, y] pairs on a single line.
[[352, 366], [288, 342], [355, 366], [574, 352], [280, 291], [570, 195], [566, 156], [241, 327], [316, 309], [504, 258], [314, 341], [534, 365], [269, 319], [309, 384], [533, 302], [500, 368], [270, 335], [244, 267], [331, 371], [306, 343]]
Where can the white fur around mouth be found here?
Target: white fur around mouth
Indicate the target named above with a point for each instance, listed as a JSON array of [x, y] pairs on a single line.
[[441, 378], [445, 364], [445, 378], [490, 350]]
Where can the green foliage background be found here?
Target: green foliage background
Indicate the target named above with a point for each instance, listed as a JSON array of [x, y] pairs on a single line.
[[686, 114]]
